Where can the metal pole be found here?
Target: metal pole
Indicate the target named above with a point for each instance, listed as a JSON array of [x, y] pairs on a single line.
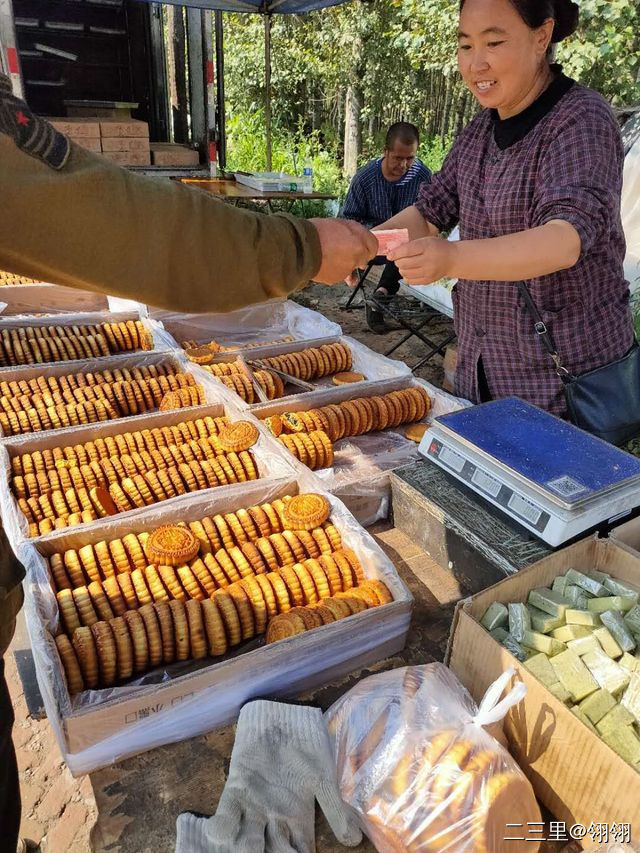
[[221, 120], [212, 160], [9, 59], [267, 85]]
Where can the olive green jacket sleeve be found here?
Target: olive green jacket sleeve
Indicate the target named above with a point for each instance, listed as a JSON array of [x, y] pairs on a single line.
[[92, 225]]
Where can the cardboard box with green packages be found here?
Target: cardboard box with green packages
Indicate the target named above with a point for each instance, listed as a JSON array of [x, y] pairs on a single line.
[[593, 650], [579, 717]]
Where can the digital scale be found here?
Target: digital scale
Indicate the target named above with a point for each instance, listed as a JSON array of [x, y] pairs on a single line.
[[551, 477]]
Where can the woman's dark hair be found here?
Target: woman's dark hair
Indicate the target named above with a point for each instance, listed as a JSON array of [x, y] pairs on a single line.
[[535, 12]]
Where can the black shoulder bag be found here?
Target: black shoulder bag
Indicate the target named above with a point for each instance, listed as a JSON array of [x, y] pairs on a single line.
[[604, 401]]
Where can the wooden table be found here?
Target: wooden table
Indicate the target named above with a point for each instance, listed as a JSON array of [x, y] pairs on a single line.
[[235, 192]]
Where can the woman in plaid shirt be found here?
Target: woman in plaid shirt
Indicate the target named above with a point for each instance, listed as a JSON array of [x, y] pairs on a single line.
[[535, 182]]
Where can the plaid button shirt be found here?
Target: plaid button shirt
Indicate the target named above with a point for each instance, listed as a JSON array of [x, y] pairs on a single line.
[[569, 166]]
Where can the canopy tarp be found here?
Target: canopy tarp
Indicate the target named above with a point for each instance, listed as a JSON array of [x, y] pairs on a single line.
[[265, 7]]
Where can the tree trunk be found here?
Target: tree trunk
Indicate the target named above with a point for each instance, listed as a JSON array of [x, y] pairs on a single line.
[[463, 97], [352, 111], [432, 104]]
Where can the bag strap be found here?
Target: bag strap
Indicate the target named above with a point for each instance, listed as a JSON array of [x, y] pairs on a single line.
[[543, 333]]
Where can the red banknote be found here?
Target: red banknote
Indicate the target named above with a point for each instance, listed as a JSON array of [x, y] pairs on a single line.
[[391, 239]]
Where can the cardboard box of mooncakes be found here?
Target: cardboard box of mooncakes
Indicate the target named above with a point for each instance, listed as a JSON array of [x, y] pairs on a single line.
[[575, 734], [270, 592]]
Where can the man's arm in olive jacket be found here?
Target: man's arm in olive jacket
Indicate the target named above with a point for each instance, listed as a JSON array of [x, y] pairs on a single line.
[[92, 225], [70, 216]]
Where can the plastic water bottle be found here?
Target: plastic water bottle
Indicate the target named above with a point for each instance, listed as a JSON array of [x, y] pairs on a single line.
[[307, 184]]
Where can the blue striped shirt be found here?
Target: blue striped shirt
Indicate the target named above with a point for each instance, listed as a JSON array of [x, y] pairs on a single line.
[[372, 199]]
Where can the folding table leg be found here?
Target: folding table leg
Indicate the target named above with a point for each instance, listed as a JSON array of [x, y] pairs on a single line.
[[434, 347], [360, 284], [430, 355]]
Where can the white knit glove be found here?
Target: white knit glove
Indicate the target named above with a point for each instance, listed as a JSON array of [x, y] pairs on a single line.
[[280, 764]]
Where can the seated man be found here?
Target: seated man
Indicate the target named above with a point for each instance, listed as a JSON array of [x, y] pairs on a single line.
[[383, 188]]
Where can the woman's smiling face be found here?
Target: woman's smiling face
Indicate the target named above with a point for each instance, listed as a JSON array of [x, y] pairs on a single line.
[[501, 59]]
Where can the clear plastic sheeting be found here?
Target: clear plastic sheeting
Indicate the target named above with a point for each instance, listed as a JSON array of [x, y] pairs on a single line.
[[373, 366], [421, 771], [100, 727], [360, 473], [153, 328], [128, 361], [272, 460], [270, 321], [630, 209]]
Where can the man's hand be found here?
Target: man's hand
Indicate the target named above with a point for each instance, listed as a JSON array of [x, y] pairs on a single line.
[[424, 261], [345, 245]]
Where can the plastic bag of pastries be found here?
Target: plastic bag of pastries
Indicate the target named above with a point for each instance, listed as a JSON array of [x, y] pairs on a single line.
[[416, 762]]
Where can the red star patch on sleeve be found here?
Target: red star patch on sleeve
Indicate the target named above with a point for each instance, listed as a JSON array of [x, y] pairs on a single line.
[[21, 118]]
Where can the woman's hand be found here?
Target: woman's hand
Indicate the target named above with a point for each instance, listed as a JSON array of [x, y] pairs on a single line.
[[424, 261]]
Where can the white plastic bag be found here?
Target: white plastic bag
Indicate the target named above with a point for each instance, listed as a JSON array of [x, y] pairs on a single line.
[[416, 764]]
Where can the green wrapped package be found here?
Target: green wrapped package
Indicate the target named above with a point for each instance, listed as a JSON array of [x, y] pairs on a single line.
[[582, 617], [590, 585], [560, 584], [510, 643], [549, 600], [583, 718], [599, 576], [617, 587], [540, 667], [607, 641], [576, 595], [574, 675], [632, 619], [597, 705], [543, 643], [607, 672], [496, 616], [519, 621], [631, 698], [543, 622], [571, 632], [584, 645], [499, 634], [622, 603], [617, 717], [561, 693], [629, 662], [625, 742], [618, 629]]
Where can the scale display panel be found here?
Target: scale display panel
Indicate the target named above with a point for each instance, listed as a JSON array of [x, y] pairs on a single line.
[[560, 459]]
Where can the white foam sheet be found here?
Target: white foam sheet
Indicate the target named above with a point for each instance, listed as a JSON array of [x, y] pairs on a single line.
[[272, 459], [360, 473], [630, 209], [54, 299], [262, 323], [253, 670]]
